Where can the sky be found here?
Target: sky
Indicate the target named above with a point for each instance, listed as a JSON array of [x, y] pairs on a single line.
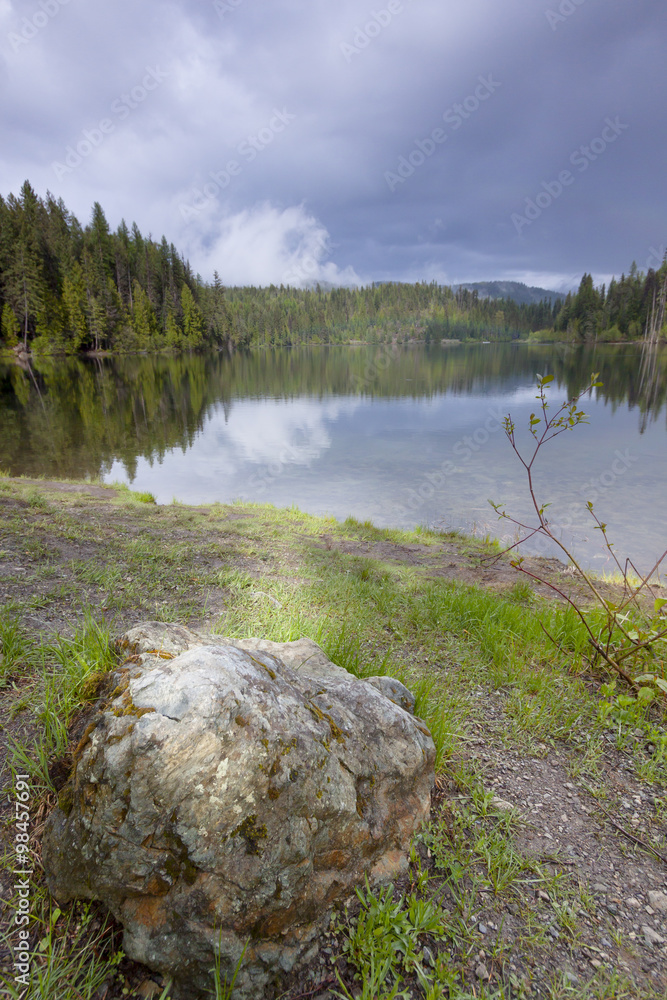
[[349, 141]]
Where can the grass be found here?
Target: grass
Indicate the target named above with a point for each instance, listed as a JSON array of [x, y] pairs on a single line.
[[134, 496], [94, 569], [15, 645], [66, 675], [383, 941], [73, 962]]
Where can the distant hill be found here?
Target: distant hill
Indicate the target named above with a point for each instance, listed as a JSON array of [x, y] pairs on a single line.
[[515, 290]]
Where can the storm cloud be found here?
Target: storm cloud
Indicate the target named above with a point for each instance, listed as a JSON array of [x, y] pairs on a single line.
[[282, 141]]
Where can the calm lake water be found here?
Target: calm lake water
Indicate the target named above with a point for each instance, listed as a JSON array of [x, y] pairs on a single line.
[[400, 436]]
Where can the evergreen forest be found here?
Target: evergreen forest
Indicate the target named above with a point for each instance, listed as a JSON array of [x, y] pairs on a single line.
[[68, 289]]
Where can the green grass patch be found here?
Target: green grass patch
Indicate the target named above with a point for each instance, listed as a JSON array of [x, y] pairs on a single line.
[[67, 673]]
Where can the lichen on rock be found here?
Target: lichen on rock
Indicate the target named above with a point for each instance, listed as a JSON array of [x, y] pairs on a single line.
[[234, 791]]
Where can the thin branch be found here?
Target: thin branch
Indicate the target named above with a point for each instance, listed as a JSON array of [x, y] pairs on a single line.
[[592, 637], [631, 836], [642, 645], [610, 645], [558, 645], [533, 531], [644, 580]]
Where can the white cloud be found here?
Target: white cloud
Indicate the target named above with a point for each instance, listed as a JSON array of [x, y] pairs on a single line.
[[266, 245]]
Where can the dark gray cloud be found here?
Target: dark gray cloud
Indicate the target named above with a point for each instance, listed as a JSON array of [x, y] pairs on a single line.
[[277, 140]]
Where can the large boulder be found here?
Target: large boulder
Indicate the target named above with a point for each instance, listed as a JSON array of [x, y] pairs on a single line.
[[232, 791]]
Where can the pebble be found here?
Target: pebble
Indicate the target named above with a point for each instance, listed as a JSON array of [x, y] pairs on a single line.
[[482, 972], [658, 900], [613, 909], [606, 943], [541, 894], [651, 937], [633, 902], [571, 978], [148, 989], [501, 805], [599, 887], [483, 929], [427, 955], [596, 963]]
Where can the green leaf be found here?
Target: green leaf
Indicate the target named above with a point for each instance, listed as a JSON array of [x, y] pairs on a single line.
[[659, 603], [643, 678], [645, 694], [661, 684]]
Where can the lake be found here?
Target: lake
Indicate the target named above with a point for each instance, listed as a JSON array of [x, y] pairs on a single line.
[[401, 436]]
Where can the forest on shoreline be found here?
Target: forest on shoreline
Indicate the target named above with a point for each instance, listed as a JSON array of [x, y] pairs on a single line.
[[68, 289]]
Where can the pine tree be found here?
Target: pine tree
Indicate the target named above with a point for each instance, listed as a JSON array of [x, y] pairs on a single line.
[[219, 325], [121, 244], [74, 300], [10, 326], [22, 279], [173, 333], [144, 321], [193, 321]]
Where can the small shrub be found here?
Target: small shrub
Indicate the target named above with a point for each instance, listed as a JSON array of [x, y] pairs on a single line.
[[630, 635]]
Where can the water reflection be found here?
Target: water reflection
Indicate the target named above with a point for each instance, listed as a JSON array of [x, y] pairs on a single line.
[[403, 436]]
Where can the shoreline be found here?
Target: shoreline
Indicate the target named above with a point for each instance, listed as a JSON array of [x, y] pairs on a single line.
[[477, 560], [22, 359], [493, 545]]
